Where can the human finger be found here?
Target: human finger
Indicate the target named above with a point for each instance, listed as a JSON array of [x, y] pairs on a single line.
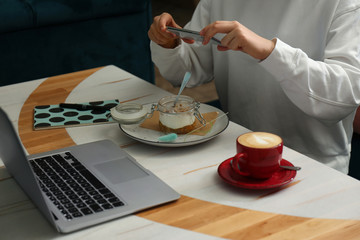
[[222, 48], [158, 32], [157, 37], [164, 20], [232, 41], [187, 40], [216, 27]]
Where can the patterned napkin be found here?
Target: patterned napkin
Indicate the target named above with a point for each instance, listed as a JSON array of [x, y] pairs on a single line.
[[53, 116]]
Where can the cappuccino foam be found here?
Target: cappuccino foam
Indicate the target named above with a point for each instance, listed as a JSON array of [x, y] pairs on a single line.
[[259, 140]]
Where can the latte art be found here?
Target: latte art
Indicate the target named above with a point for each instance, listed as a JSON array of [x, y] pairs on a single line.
[[259, 140]]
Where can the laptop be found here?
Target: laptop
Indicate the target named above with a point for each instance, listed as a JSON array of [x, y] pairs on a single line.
[[84, 185]]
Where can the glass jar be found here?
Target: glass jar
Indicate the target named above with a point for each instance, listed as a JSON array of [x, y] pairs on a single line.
[[178, 117], [128, 113]]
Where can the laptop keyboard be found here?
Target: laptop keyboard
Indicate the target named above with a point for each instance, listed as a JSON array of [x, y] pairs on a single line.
[[74, 190]]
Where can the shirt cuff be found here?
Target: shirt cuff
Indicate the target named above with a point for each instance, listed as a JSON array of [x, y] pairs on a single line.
[[164, 51], [282, 62]]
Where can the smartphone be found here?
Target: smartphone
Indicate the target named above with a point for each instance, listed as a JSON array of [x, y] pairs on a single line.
[[190, 34]]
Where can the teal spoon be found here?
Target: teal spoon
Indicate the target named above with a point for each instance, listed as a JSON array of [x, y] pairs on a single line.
[[183, 84]]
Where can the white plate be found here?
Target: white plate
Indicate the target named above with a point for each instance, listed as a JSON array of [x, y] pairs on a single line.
[[151, 137]]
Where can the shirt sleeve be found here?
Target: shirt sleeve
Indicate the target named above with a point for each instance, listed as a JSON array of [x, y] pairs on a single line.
[[328, 89]]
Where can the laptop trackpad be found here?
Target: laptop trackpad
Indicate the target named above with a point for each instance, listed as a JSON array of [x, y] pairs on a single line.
[[120, 170]]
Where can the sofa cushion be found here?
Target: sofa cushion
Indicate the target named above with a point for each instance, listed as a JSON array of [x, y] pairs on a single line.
[[24, 14], [61, 11], [63, 48], [15, 15]]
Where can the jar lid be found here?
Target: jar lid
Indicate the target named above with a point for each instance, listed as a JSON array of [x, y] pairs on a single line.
[[128, 113]]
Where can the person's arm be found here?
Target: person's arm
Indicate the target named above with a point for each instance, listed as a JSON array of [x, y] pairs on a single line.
[[328, 90], [195, 58]]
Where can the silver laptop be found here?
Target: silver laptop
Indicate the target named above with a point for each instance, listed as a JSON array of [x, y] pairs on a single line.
[[83, 185]]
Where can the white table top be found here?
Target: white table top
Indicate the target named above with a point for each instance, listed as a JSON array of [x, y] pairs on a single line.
[[317, 191]]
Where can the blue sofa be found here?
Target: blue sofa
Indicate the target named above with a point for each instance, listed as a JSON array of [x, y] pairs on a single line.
[[354, 169], [42, 38]]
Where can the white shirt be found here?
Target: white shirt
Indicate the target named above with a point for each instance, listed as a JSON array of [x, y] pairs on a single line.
[[306, 91]]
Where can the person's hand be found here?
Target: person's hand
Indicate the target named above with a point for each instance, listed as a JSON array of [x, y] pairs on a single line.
[[160, 35], [239, 38]]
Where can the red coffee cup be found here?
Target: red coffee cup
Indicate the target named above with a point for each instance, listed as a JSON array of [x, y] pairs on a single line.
[[258, 155]]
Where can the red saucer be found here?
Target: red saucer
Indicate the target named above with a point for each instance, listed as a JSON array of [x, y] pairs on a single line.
[[280, 178]]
